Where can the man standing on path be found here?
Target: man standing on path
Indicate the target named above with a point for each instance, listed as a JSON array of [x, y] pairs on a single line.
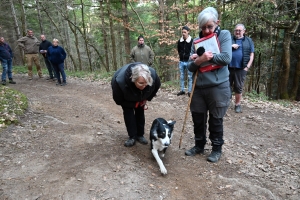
[[184, 45], [242, 58], [30, 44], [45, 44], [6, 57], [142, 53]]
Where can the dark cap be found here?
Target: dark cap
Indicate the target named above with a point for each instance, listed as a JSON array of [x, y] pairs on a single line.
[[186, 28]]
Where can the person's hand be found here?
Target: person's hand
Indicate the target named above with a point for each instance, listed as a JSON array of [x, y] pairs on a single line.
[[206, 56], [235, 46], [194, 56]]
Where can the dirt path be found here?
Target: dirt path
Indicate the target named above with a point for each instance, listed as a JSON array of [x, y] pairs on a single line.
[[69, 145]]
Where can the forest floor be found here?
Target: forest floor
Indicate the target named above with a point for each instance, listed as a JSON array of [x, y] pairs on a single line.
[[69, 145]]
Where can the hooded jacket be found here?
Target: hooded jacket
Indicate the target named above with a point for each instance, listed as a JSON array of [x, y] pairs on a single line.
[[142, 53], [125, 93], [30, 45]]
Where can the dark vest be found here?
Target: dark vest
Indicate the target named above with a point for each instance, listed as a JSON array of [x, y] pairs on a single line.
[[246, 49], [184, 50]]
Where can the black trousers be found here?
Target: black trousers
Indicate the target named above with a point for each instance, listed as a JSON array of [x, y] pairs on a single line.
[[135, 121], [215, 128]]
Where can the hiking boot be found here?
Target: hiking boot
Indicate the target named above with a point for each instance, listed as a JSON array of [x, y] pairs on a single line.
[[63, 84], [130, 142], [3, 82], [238, 109], [194, 150], [11, 81], [214, 156], [142, 139], [181, 93], [58, 83]]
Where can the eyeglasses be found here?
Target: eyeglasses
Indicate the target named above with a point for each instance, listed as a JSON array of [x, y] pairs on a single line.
[[238, 30], [209, 27]]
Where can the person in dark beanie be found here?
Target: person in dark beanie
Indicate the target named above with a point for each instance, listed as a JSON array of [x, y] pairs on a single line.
[[184, 45], [132, 86], [45, 44], [6, 57], [142, 53]]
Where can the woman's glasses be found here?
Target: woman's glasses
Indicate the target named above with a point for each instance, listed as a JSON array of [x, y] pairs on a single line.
[[209, 27]]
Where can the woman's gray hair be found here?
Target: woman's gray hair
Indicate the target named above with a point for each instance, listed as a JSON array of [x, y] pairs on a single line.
[[242, 25], [143, 71], [206, 15]]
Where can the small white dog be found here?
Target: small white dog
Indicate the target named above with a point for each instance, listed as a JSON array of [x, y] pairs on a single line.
[[160, 137]]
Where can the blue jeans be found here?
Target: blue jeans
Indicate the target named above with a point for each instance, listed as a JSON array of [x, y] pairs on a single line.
[[182, 68], [7, 68], [60, 70], [51, 70]]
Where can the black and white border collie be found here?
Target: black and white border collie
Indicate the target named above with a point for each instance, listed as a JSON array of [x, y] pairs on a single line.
[[160, 137]]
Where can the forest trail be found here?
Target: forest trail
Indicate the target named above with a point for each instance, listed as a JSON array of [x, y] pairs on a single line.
[[69, 145]]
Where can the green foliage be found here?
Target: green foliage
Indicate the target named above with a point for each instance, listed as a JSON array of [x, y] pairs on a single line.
[[13, 103], [257, 97]]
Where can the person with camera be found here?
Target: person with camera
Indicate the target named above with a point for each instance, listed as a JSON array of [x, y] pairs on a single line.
[[45, 44]]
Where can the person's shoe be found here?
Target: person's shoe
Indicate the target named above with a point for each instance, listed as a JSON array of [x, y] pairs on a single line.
[[3, 82], [63, 84], [238, 109], [181, 93], [130, 142], [11, 81], [142, 139], [194, 150], [214, 156], [189, 94], [58, 83]]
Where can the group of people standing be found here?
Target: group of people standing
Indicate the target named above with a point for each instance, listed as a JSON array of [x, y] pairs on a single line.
[[136, 83], [53, 55]]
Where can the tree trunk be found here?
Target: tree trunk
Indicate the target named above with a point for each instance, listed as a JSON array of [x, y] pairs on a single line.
[[23, 18], [85, 36], [104, 35], [113, 38], [126, 30], [286, 65], [17, 29], [39, 16], [296, 79], [270, 85]]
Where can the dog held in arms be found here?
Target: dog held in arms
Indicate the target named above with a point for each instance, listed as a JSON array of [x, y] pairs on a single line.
[[160, 137]]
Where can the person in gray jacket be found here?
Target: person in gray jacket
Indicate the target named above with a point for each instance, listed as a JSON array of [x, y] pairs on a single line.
[[30, 44], [211, 96], [142, 53]]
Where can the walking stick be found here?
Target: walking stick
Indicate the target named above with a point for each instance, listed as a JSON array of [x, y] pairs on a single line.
[[187, 109]]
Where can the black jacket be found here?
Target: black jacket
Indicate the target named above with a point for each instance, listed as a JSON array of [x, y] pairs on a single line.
[[125, 93], [184, 48], [44, 45]]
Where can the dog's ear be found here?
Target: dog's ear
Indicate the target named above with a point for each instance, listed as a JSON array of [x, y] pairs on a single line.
[[171, 123]]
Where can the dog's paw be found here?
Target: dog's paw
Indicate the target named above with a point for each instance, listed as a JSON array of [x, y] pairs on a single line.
[[163, 170]]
